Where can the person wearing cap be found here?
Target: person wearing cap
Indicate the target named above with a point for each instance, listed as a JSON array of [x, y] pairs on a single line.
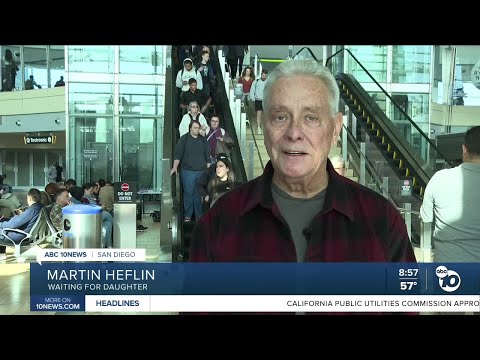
[[188, 72], [204, 179]]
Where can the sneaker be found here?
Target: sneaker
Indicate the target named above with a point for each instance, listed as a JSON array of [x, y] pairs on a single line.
[[187, 219]]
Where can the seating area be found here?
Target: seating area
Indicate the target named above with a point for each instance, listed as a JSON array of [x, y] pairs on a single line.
[[42, 231]]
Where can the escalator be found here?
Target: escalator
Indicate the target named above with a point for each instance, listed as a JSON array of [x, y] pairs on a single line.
[[395, 144], [182, 231], [400, 158]]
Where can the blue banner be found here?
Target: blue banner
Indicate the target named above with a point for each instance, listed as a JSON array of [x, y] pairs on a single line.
[[68, 280], [57, 303]]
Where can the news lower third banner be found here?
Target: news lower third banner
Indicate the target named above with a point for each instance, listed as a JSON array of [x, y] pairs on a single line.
[[255, 287]]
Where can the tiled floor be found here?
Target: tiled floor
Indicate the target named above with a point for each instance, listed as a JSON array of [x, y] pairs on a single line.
[[15, 277]]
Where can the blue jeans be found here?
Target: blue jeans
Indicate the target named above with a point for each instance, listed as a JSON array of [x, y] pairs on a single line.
[[191, 198], [107, 229]]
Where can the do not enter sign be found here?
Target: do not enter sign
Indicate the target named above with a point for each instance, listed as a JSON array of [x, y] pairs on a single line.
[[125, 192]]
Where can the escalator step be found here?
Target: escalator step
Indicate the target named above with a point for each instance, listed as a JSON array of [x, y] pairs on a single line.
[[384, 146]]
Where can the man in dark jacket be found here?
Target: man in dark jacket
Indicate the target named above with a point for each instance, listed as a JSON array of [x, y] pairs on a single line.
[[23, 221]]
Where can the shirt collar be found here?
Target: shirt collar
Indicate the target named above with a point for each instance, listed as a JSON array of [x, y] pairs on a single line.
[[337, 198]]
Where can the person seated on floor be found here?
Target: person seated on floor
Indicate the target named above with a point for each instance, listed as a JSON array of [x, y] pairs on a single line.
[[23, 221]]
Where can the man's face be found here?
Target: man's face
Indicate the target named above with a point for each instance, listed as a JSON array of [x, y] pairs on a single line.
[[188, 66], [30, 200], [206, 57], [63, 199], [193, 86], [299, 129], [195, 130], [264, 76]]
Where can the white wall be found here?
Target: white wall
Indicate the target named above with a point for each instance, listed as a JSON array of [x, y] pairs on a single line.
[[33, 123]]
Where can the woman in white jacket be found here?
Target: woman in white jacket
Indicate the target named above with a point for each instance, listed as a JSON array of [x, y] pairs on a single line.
[[192, 114]]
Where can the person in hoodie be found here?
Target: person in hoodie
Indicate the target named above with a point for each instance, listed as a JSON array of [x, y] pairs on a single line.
[[188, 72]]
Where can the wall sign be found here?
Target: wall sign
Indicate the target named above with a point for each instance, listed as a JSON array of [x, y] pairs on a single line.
[[125, 192], [46, 139], [476, 75]]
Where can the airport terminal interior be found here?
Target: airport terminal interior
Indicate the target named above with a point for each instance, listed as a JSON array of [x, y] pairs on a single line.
[[100, 121]]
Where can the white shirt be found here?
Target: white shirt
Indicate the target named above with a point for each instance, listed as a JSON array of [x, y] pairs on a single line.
[[185, 123]]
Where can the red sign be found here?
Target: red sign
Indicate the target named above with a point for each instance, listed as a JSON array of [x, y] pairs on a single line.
[[125, 187]]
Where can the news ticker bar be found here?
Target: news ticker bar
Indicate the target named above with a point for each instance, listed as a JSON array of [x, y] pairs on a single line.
[[90, 255], [257, 303]]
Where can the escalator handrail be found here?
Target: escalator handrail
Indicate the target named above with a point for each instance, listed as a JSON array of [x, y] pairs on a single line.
[[227, 119], [432, 144], [306, 48]]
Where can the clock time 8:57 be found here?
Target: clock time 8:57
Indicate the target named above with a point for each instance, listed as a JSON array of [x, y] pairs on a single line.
[[407, 272]]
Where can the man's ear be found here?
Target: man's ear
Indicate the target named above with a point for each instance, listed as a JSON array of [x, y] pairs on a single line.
[[337, 127]]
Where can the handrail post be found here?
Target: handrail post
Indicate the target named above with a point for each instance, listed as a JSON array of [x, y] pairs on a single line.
[[243, 134], [385, 186], [362, 164], [408, 218], [345, 140], [250, 159], [166, 244]]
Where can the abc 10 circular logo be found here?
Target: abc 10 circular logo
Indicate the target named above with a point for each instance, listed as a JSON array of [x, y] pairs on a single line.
[[448, 280]]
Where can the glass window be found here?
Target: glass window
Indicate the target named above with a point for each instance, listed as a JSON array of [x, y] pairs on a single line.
[[141, 59], [139, 151], [11, 74], [373, 58], [35, 65], [415, 105], [91, 143], [91, 98], [57, 63], [39, 166], [141, 99], [23, 166], [8, 167], [93, 59], [411, 64]]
